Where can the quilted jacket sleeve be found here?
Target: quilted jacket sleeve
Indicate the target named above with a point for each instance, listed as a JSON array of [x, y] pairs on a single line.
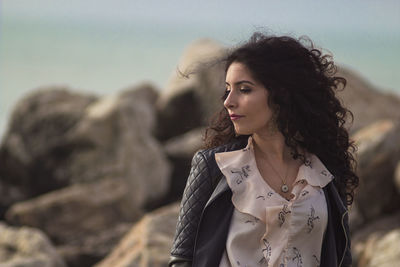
[[199, 187]]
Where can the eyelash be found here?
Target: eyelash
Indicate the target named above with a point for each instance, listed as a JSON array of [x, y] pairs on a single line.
[[245, 90]]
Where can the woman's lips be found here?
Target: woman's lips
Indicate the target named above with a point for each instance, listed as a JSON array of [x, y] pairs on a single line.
[[235, 116]]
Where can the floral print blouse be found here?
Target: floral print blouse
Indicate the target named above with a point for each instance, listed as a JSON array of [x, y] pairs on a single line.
[[267, 229]]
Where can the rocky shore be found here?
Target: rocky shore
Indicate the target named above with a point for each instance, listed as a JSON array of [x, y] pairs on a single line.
[[96, 181]]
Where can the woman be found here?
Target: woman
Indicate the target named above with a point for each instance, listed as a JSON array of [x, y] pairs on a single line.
[[273, 184]]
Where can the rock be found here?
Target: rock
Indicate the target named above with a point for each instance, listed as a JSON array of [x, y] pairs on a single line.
[[110, 137], [185, 145], [82, 218], [382, 251], [148, 243], [356, 219], [377, 155], [66, 214], [94, 248], [9, 194], [144, 96], [367, 103], [38, 124], [113, 139], [365, 238], [397, 177], [180, 151], [26, 247], [188, 102]]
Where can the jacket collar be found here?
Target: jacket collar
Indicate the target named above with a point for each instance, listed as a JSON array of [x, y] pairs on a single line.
[[335, 197], [221, 187]]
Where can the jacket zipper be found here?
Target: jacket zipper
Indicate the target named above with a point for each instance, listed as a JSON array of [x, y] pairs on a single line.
[[345, 235]]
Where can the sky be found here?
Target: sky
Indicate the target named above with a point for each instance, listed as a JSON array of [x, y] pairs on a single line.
[[337, 14]]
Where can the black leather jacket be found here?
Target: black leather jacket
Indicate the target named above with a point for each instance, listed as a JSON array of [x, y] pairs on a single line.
[[206, 211]]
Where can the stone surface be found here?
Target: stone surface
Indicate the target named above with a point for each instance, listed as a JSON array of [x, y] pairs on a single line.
[[83, 142], [188, 102], [184, 146], [26, 247], [381, 250], [367, 235], [180, 151], [149, 242], [367, 103], [81, 218], [144, 96], [355, 218], [114, 139], [385, 252], [397, 177], [9, 194], [91, 249], [39, 123], [377, 155]]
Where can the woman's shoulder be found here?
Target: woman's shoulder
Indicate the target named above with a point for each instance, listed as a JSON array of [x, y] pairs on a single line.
[[204, 166], [238, 143]]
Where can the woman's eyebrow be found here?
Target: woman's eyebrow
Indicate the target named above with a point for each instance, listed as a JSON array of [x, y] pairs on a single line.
[[240, 82]]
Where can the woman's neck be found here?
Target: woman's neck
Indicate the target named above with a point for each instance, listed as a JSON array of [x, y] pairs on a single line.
[[272, 147]]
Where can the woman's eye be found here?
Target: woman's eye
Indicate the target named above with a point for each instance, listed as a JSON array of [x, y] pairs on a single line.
[[245, 90]]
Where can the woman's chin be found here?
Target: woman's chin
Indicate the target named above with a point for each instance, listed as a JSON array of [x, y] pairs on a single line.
[[242, 132]]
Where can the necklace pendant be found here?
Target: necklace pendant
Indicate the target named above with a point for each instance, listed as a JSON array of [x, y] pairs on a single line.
[[284, 188]]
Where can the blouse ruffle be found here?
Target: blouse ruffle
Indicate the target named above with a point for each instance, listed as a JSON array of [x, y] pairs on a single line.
[[281, 225]]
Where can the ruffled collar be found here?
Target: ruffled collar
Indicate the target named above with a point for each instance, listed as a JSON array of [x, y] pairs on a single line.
[[242, 175], [313, 170]]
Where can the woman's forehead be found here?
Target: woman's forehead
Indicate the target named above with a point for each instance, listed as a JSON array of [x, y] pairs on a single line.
[[238, 71]]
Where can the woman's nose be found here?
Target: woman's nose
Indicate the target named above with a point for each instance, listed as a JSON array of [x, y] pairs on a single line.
[[230, 101]]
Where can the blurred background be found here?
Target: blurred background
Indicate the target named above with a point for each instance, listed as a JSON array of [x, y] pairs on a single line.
[[103, 46], [96, 154]]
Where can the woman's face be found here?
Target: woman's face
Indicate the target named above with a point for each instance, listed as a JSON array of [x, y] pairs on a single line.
[[246, 101]]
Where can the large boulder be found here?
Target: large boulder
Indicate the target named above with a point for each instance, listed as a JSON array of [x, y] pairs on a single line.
[[185, 145], [180, 150], [192, 94], [113, 139], [81, 218], [368, 103], [378, 154], [149, 242], [365, 240], [397, 177], [71, 138], [9, 194], [382, 251], [39, 123], [91, 249], [26, 247]]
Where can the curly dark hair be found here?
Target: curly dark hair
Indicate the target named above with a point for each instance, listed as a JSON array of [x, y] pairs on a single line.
[[301, 83]]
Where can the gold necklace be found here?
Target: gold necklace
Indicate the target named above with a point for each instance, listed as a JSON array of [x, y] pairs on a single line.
[[284, 187]]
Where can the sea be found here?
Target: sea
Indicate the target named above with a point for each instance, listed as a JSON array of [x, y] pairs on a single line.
[[104, 58]]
